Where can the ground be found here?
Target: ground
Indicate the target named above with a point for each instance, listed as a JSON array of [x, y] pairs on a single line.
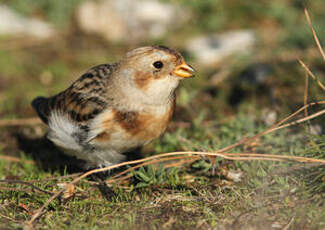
[[209, 116]]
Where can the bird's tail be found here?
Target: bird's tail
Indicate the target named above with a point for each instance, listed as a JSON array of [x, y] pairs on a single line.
[[41, 106]]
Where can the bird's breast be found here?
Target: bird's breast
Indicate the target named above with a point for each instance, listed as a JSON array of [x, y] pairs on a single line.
[[129, 129]]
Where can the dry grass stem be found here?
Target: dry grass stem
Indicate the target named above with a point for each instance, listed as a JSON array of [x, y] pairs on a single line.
[[113, 179], [308, 118], [229, 156], [311, 74], [183, 160], [314, 34], [306, 92]]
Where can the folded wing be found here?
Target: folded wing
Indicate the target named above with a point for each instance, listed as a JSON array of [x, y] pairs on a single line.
[[69, 113]]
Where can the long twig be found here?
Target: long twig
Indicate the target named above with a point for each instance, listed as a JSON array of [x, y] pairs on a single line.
[[306, 92], [113, 179], [314, 34], [311, 74], [230, 156], [183, 160], [239, 156], [308, 118]]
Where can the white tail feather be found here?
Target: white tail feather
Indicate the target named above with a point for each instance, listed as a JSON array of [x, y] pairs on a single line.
[[62, 131]]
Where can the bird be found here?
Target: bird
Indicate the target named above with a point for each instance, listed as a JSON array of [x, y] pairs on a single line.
[[115, 108]]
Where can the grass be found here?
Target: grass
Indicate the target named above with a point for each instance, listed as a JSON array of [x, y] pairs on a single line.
[[269, 195]]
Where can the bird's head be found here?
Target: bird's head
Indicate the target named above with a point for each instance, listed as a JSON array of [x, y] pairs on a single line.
[[153, 72]]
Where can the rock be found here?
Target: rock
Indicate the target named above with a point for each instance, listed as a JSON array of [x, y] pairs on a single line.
[[13, 24], [235, 176], [211, 49], [269, 116], [316, 129], [129, 20]]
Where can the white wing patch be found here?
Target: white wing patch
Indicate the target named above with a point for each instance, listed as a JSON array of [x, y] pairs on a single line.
[[96, 125], [62, 131]]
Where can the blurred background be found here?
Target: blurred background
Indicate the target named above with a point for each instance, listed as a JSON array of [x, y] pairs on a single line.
[[245, 52], [248, 78]]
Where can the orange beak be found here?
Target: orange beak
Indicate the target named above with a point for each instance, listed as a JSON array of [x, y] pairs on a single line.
[[184, 70]]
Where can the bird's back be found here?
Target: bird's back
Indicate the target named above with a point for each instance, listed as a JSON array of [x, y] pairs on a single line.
[[69, 113]]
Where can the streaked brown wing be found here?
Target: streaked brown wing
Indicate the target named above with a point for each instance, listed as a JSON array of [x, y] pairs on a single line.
[[82, 101]]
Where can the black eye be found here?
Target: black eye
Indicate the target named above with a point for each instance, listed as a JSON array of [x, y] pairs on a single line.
[[158, 64]]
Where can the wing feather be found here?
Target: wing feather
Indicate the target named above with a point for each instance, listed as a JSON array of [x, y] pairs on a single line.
[[69, 113]]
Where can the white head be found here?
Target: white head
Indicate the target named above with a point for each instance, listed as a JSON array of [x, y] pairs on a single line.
[[151, 74]]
